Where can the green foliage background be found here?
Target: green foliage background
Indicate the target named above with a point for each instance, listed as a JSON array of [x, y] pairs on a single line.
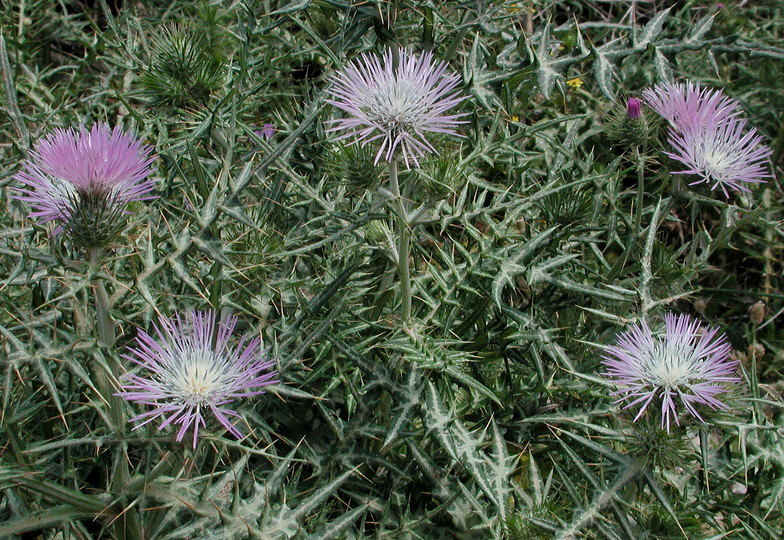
[[489, 419]]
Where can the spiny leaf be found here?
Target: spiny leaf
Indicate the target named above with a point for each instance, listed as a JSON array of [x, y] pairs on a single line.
[[336, 528], [651, 31], [513, 265], [464, 449]]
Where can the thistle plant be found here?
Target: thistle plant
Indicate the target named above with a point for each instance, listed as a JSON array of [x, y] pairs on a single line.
[[709, 138], [189, 368], [688, 364], [84, 180], [397, 100]]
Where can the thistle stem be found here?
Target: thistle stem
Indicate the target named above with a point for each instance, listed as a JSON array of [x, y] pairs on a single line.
[[403, 245], [107, 338], [106, 334], [640, 188], [130, 526]]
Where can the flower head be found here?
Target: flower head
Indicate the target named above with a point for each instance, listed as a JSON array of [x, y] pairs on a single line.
[[192, 369], [720, 154], [628, 125], [682, 103], [83, 178], [707, 136], [688, 363], [397, 105]]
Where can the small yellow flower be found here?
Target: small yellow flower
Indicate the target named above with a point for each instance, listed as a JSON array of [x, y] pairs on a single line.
[[515, 118], [518, 6], [577, 82]]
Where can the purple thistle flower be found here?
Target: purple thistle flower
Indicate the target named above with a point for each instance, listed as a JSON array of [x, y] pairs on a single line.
[[192, 370], [680, 104], [688, 363], [70, 166], [707, 136], [633, 108], [720, 153], [399, 106]]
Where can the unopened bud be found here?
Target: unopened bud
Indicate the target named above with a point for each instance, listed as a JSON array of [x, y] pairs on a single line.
[[633, 108], [628, 125]]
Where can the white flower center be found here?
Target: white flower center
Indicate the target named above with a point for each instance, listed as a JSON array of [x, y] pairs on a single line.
[[670, 367], [400, 104], [716, 160], [201, 374]]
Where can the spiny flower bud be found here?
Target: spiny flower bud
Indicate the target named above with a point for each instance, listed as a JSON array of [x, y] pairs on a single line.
[[439, 180], [379, 234], [628, 125]]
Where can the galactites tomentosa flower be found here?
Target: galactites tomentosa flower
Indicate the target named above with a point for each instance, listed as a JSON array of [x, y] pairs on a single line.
[[399, 105], [84, 179], [687, 364], [189, 368], [707, 136]]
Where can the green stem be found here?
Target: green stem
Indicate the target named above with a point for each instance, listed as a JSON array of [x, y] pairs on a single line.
[[635, 231], [403, 245], [130, 524], [106, 335], [640, 188]]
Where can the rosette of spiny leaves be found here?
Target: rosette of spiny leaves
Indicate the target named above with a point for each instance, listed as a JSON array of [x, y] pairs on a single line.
[[186, 68]]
